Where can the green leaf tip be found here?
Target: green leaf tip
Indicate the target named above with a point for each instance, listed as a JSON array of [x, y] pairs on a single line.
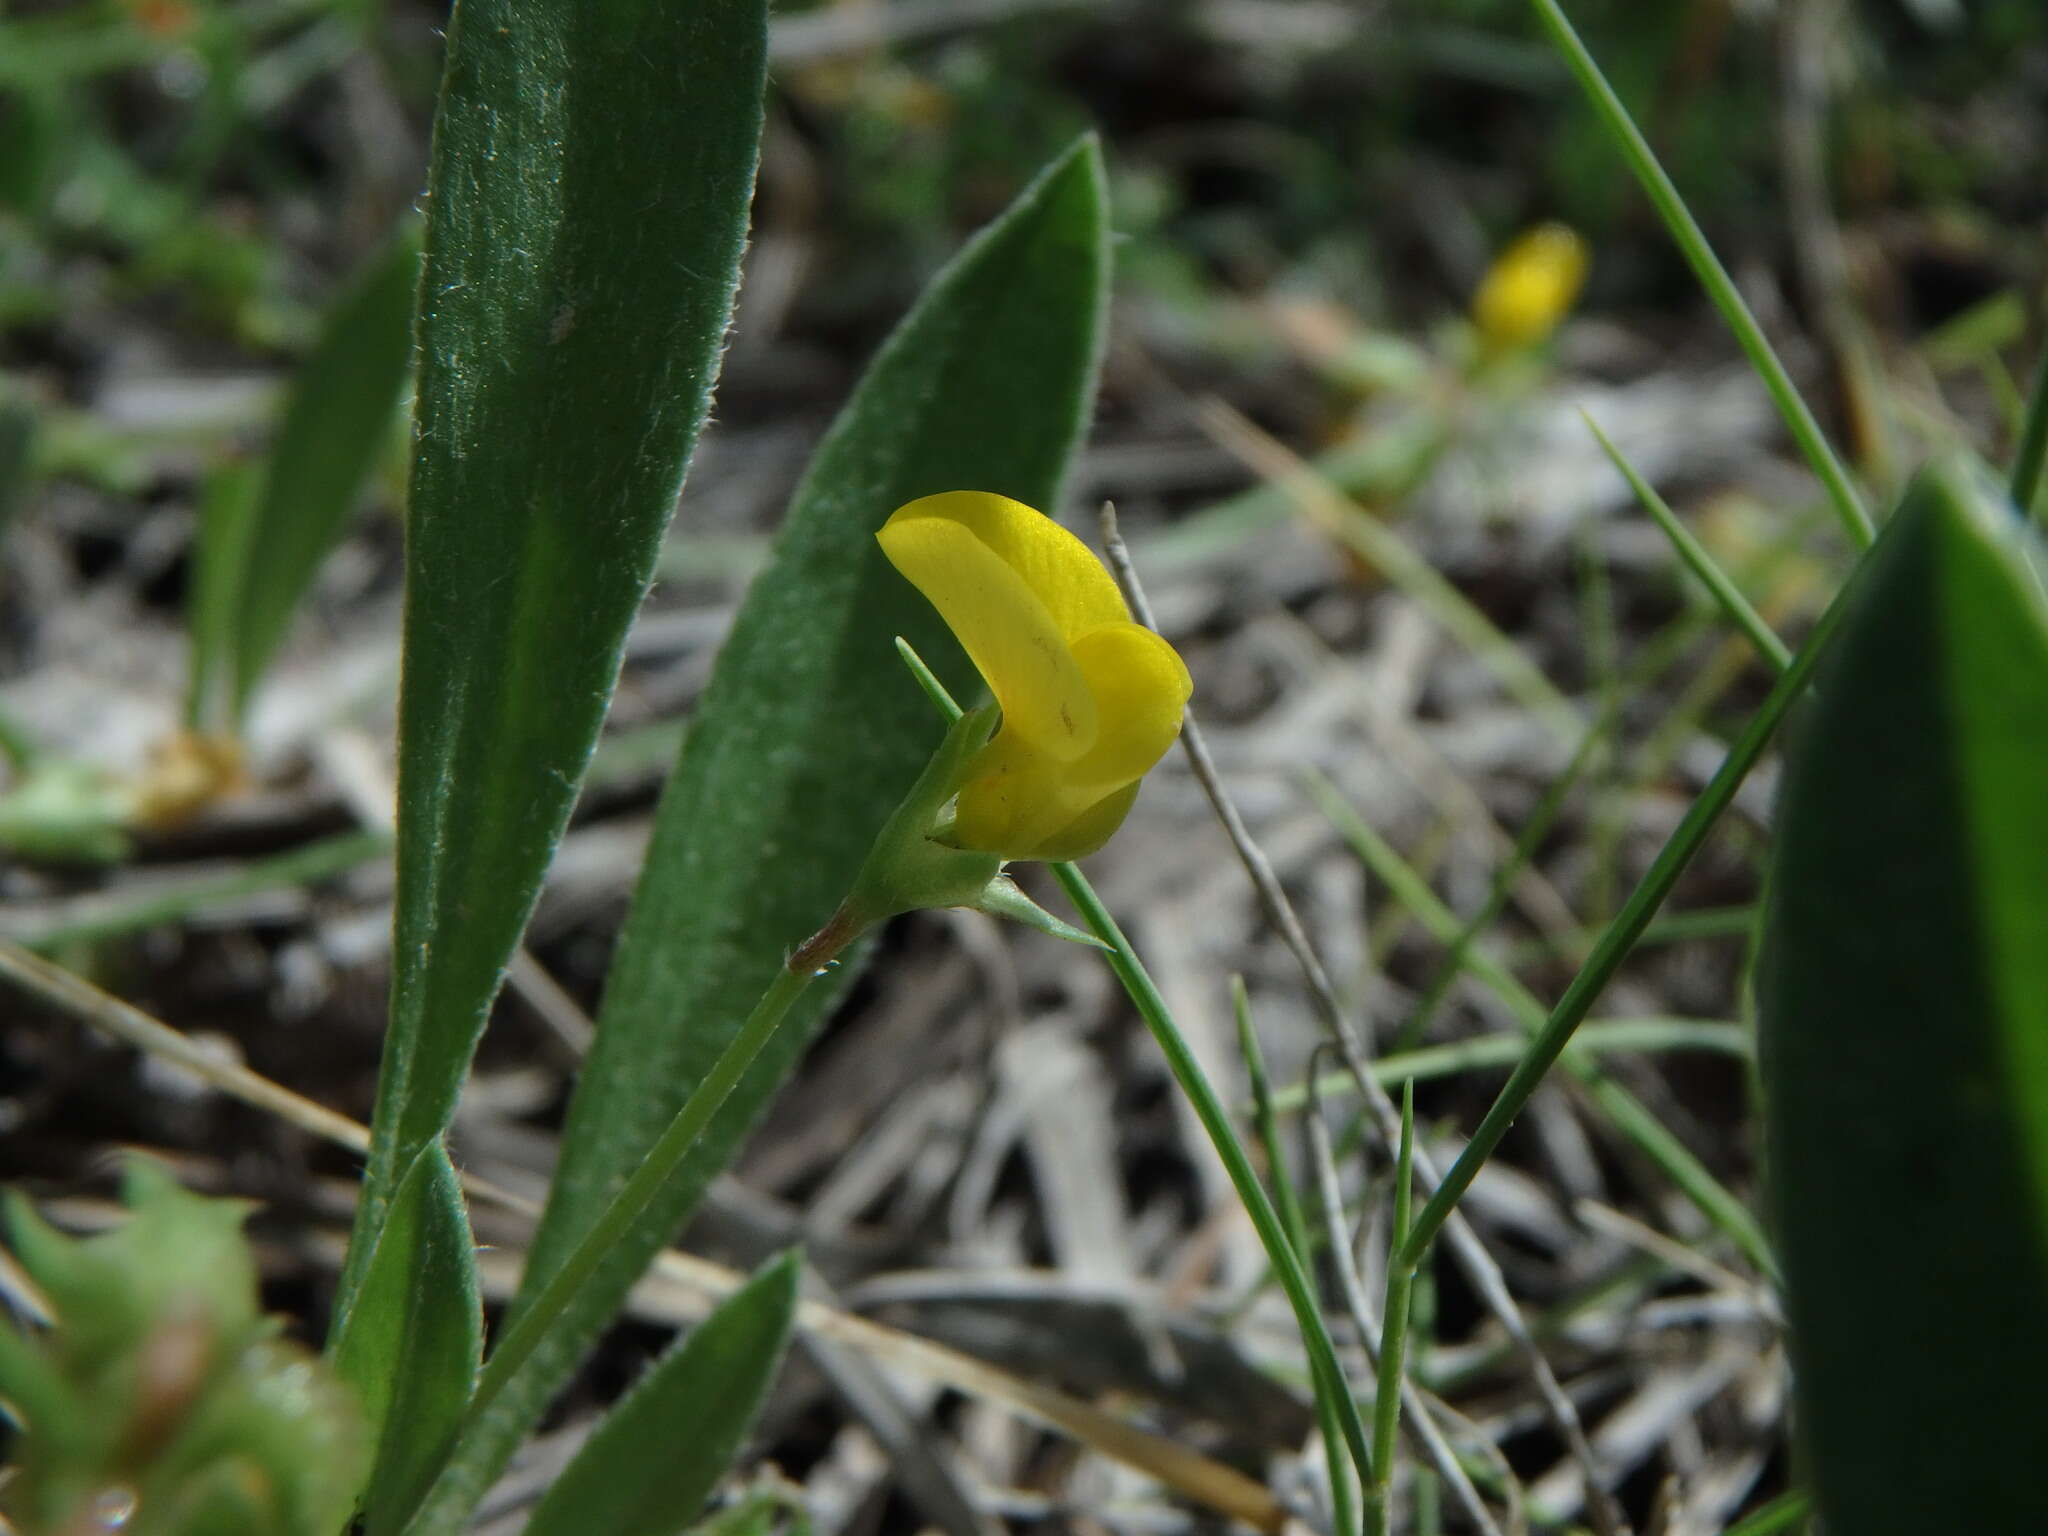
[[411, 1342], [655, 1459]]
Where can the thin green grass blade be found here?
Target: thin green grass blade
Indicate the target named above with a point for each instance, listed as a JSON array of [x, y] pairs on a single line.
[[1288, 1265], [1614, 946], [1703, 565], [1706, 266], [1386, 1414], [1491, 1052], [1534, 831], [336, 425], [1324, 1366], [227, 528], [411, 1343], [1287, 1200], [806, 739], [1902, 996], [1549, 1040], [655, 1459], [114, 913], [587, 206], [2033, 449]]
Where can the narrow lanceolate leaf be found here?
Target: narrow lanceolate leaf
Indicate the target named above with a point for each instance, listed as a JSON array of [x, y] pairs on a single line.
[[809, 733], [337, 422], [1903, 1008], [411, 1342], [586, 209], [655, 1459]]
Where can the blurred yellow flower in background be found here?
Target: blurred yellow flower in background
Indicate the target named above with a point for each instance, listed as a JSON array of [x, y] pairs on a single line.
[[1530, 286], [1090, 701]]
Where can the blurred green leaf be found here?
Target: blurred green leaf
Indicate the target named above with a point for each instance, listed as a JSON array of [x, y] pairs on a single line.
[[336, 422], [411, 1343], [587, 208], [808, 735], [227, 531], [655, 1459], [1903, 1008]]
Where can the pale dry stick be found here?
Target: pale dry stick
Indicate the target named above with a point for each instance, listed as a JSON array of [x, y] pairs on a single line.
[[1417, 1417], [1459, 1237], [1186, 1472]]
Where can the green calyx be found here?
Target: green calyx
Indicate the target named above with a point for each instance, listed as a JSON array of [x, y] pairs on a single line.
[[912, 867]]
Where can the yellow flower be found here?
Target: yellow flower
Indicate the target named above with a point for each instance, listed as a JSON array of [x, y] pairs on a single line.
[[1530, 286], [1090, 701]]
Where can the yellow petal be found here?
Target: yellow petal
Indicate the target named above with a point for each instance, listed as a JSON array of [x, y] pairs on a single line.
[[1141, 689], [1059, 569], [1088, 831], [1020, 803], [1006, 629], [1012, 801]]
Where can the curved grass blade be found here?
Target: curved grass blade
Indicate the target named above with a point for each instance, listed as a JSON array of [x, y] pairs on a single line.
[[587, 206], [1713, 277], [1903, 1029], [336, 424], [411, 1343], [806, 738], [655, 1459]]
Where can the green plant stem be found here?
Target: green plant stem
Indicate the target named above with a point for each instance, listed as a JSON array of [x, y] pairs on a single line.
[[1621, 935], [1187, 1072], [1386, 1407], [1697, 560], [1327, 1371], [661, 1162], [1343, 1516], [1706, 266], [2033, 449], [117, 912]]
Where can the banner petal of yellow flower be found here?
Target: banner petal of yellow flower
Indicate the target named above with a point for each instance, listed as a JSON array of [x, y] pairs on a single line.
[[1007, 631], [1061, 570]]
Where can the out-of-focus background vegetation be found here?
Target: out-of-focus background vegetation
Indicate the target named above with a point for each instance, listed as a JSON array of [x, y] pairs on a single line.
[[1308, 192]]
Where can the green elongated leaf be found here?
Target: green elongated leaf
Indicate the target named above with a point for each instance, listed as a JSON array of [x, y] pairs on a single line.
[[227, 528], [337, 421], [587, 206], [412, 1340], [655, 1459], [1903, 1019], [808, 735]]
